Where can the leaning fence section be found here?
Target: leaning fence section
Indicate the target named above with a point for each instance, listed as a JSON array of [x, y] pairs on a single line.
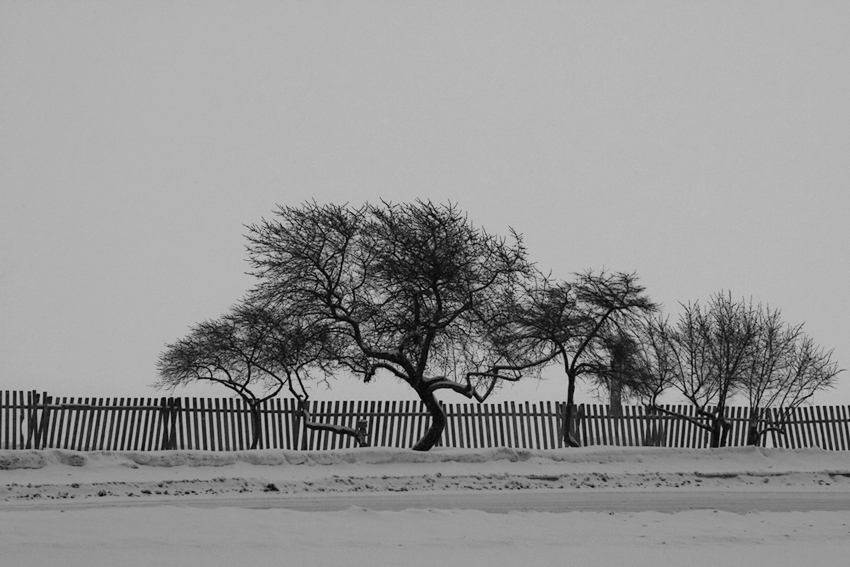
[[31, 420]]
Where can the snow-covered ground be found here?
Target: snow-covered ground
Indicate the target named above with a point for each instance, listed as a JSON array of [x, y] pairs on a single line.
[[203, 508]]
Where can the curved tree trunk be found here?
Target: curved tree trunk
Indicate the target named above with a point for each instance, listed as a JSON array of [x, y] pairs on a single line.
[[256, 422], [438, 421]]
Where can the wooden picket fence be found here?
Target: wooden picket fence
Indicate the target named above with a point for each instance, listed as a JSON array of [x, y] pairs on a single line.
[[29, 420]]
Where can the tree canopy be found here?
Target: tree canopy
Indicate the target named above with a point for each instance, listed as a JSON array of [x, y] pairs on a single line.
[[412, 289]]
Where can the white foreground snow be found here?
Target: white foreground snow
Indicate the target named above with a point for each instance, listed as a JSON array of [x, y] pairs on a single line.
[[181, 508]]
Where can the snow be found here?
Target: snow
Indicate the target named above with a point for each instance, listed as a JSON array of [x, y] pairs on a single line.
[[203, 508]]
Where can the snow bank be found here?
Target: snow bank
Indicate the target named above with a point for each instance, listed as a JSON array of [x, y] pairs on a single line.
[[631, 459], [103, 476]]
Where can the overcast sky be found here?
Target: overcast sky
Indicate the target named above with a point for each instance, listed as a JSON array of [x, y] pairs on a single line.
[[704, 145]]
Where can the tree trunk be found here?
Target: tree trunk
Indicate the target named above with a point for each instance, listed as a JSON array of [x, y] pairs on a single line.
[[256, 423], [655, 433], [753, 436], [616, 399], [753, 433], [615, 384], [719, 431], [570, 435], [438, 421], [570, 440]]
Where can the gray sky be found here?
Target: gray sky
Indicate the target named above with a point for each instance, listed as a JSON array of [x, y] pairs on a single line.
[[705, 145]]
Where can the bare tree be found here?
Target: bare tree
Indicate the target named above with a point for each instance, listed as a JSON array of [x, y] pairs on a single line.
[[295, 351], [254, 350], [414, 290], [652, 361], [642, 366], [784, 371], [574, 321], [224, 351], [730, 348], [711, 346]]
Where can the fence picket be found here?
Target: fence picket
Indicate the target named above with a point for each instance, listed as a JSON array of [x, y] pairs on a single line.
[[599, 426], [835, 423], [394, 425], [548, 421], [403, 419], [826, 438], [788, 430], [146, 436], [415, 420], [802, 431], [843, 427], [808, 435], [386, 420], [274, 426], [810, 429], [108, 424], [832, 431], [5, 421]]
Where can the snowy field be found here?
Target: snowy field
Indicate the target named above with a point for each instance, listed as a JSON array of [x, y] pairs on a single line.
[[357, 507]]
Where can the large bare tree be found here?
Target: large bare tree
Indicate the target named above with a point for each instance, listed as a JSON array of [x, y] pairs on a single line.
[[414, 290]]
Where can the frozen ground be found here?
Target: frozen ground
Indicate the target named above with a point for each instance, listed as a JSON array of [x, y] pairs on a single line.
[[394, 507]]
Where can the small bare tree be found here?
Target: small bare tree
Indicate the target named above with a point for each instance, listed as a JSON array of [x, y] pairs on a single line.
[[785, 370], [254, 350], [224, 351], [711, 347], [572, 322], [652, 367], [640, 367]]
